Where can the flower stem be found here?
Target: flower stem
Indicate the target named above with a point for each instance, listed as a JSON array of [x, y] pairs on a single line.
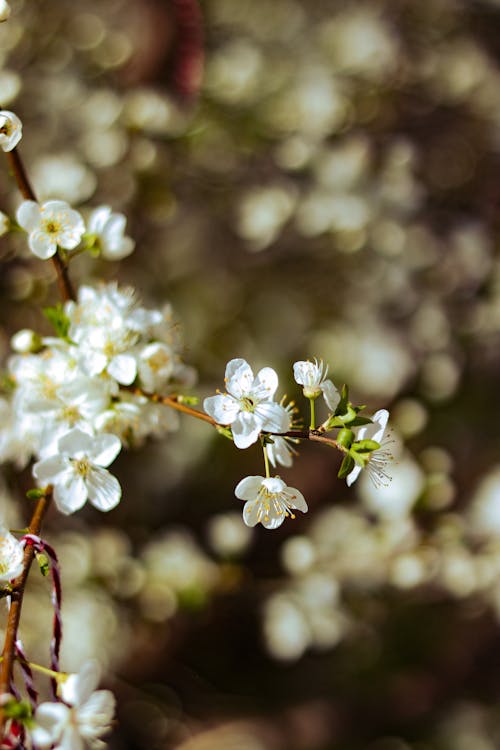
[[266, 458], [312, 404]]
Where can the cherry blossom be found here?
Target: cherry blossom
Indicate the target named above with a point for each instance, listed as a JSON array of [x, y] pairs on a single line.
[[247, 406], [49, 225], [77, 471], [11, 127], [268, 501]]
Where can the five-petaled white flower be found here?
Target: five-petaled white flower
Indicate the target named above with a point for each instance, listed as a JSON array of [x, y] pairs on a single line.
[[11, 555], [108, 229], [82, 722], [11, 127], [379, 458], [312, 377], [247, 406], [77, 471], [268, 501], [49, 225]]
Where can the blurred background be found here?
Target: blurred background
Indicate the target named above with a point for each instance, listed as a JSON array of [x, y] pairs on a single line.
[[302, 179]]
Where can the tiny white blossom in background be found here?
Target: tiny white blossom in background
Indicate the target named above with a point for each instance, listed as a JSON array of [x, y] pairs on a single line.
[[109, 228], [268, 501], [82, 722], [247, 406], [11, 127], [4, 10], [77, 473], [380, 457], [11, 555], [25, 341], [51, 224], [312, 377]]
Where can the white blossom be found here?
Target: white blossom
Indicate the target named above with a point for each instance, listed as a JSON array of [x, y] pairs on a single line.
[[11, 127], [77, 471], [109, 228], [247, 406], [51, 224], [268, 501], [11, 555], [312, 377], [280, 451], [380, 457], [83, 718], [4, 10]]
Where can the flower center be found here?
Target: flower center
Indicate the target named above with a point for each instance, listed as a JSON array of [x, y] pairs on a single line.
[[52, 226], [81, 466], [247, 404]]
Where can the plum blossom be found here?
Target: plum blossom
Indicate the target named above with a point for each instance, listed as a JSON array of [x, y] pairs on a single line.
[[107, 229], [81, 720], [77, 471], [51, 224], [268, 501], [248, 405], [380, 457], [312, 377], [280, 451], [11, 555], [11, 127]]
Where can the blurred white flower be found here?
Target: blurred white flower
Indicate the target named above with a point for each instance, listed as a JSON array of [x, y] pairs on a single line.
[[49, 225], [248, 406], [4, 10], [77, 473], [82, 722], [108, 228], [11, 555], [11, 127], [268, 501]]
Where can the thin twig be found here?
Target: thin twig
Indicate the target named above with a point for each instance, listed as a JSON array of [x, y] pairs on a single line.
[[17, 168], [16, 596]]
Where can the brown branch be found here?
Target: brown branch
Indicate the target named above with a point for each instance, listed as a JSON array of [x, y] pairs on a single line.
[[16, 597], [17, 168]]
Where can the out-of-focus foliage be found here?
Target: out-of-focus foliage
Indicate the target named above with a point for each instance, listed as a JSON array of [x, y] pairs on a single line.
[[334, 192]]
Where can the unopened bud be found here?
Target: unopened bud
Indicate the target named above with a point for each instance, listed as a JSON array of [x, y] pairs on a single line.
[[26, 341]]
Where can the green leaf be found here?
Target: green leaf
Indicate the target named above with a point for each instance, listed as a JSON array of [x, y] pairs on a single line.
[[59, 320], [188, 400], [344, 401], [358, 421], [225, 432], [43, 563], [19, 710]]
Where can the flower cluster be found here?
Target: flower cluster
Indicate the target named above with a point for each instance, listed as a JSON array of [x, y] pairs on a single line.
[[249, 410], [72, 406]]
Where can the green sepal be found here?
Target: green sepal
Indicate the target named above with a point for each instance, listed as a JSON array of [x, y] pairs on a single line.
[[18, 710], [344, 401], [59, 321], [345, 437], [43, 563], [225, 432], [360, 421], [366, 446], [36, 493], [346, 467]]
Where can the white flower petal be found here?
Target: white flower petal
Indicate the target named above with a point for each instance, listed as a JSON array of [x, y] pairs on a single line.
[[267, 380], [246, 429], [42, 244], [251, 513], [104, 449], [28, 215], [224, 409], [330, 394], [50, 721], [239, 378], [75, 442], [70, 496], [123, 368], [51, 470], [248, 488], [104, 489], [78, 688]]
